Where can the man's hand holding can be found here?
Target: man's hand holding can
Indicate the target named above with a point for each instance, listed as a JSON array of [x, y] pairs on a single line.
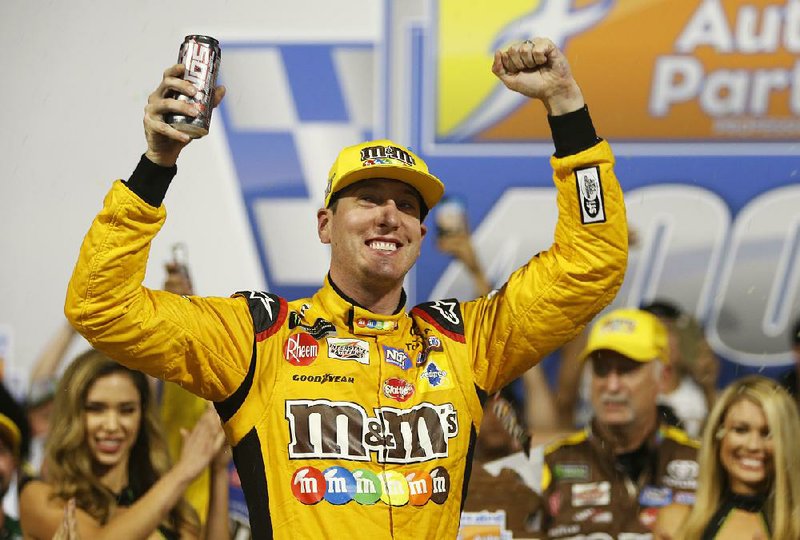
[[178, 96]]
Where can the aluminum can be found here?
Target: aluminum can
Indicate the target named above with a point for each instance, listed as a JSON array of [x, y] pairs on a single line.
[[200, 56]]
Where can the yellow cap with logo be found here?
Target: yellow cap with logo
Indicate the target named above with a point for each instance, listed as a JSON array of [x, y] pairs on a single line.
[[633, 333], [383, 159]]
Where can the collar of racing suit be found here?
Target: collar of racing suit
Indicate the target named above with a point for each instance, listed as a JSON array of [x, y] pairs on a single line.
[[344, 311]]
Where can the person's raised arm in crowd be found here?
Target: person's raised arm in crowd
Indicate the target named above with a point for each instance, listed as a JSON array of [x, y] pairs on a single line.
[[41, 389], [322, 397], [454, 239], [541, 414], [47, 363]]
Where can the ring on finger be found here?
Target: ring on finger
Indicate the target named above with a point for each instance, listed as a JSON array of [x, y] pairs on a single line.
[[528, 42]]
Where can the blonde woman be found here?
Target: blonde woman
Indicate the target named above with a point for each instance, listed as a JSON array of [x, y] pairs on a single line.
[[107, 457], [749, 484]]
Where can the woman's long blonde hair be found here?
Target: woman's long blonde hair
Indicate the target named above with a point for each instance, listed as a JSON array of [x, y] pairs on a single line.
[[782, 507], [68, 465]]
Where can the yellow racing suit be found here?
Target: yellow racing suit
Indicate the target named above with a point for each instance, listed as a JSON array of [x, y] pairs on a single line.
[[346, 422]]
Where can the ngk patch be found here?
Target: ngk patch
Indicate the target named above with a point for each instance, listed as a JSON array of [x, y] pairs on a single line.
[[397, 357]]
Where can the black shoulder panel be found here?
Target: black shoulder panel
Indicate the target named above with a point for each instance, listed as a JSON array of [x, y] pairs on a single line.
[[268, 311], [445, 315]]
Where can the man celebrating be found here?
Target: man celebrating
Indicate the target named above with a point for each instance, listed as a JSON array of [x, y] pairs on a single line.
[[613, 476], [349, 415]]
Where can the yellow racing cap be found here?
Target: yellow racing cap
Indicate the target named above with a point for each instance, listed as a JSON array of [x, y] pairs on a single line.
[[633, 333], [383, 159]]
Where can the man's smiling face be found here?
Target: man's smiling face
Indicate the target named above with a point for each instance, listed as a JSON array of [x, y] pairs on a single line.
[[374, 231]]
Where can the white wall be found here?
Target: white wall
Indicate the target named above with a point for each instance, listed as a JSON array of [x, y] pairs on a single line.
[[75, 79]]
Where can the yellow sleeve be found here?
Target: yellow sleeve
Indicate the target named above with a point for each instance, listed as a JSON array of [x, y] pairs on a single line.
[[549, 300], [202, 344]]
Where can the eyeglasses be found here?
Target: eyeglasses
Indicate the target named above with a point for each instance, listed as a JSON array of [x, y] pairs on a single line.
[[602, 366]]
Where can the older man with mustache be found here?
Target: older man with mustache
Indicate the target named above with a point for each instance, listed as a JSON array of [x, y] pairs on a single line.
[[611, 478]]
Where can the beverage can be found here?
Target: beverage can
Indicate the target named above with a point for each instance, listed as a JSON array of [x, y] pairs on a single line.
[[200, 56]]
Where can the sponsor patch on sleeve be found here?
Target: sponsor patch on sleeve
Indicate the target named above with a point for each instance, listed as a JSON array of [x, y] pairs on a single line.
[[590, 195]]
